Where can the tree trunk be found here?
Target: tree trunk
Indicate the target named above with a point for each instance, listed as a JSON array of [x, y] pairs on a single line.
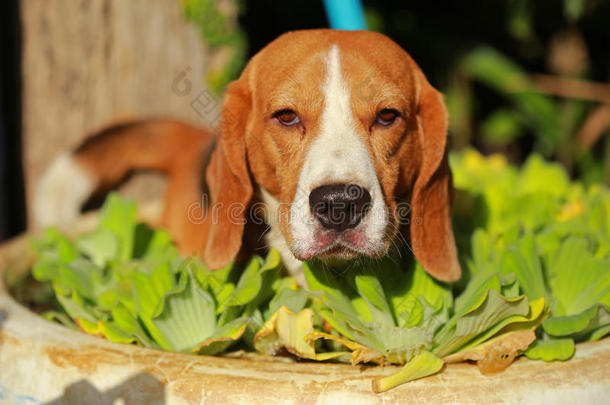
[[90, 62]]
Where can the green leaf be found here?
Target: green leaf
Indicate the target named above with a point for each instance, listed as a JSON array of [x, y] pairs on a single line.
[[512, 323], [320, 279], [60, 317], [421, 366], [249, 284], [294, 300], [223, 296], [123, 319], [502, 127], [599, 333], [187, 317], [84, 277], [370, 288], [482, 250], [100, 246], [541, 177], [410, 312], [335, 307], [117, 291], [149, 290], [509, 286], [74, 305], [476, 292], [119, 216], [54, 250], [577, 279], [269, 273], [400, 345], [495, 70], [337, 302], [523, 261], [434, 292], [492, 310], [551, 349], [115, 334], [153, 246], [593, 318]]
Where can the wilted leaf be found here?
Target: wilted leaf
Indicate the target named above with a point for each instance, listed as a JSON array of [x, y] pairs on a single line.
[[290, 331], [536, 315], [496, 354], [359, 353], [223, 337], [493, 309]]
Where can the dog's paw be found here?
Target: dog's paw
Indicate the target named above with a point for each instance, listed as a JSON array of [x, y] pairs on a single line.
[[61, 191]]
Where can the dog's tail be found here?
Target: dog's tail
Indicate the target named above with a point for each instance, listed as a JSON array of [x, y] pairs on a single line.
[[105, 159]]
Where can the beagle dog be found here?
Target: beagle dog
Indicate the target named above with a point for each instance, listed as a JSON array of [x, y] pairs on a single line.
[[331, 133]]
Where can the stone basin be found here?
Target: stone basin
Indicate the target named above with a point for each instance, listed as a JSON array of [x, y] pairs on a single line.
[[44, 362]]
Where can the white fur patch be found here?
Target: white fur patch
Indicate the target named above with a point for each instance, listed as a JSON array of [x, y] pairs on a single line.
[[61, 192], [337, 155], [275, 238]]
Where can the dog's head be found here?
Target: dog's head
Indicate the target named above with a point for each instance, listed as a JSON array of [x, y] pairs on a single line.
[[338, 127]]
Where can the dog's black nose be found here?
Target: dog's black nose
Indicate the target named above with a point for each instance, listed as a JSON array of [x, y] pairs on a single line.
[[339, 206]]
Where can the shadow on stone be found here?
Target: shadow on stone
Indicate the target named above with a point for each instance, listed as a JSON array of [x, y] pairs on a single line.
[[139, 389]]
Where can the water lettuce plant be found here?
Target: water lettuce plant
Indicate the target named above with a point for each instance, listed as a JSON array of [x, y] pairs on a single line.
[[535, 247], [553, 235], [126, 282]]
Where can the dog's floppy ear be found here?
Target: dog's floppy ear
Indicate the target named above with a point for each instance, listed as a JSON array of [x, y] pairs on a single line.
[[431, 233], [228, 180]]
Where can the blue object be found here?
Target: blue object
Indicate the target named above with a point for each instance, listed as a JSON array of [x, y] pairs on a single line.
[[345, 14]]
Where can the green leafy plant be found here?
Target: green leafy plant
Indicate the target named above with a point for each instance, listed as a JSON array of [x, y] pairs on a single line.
[[535, 248], [552, 235], [126, 282], [386, 312]]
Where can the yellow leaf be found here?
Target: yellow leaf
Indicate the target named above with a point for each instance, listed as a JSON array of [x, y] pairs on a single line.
[[360, 354], [92, 328], [290, 331], [498, 353], [422, 365], [236, 334], [569, 211]]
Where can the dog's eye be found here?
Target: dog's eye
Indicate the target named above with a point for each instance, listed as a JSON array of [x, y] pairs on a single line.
[[287, 117], [386, 116]]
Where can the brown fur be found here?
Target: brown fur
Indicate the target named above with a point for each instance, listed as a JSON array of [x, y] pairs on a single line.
[[253, 150]]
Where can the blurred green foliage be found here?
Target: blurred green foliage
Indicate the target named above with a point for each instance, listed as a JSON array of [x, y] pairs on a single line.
[[552, 234], [491, 58], [219, 31]]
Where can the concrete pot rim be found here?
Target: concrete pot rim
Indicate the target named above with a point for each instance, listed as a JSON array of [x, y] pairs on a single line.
[[73, 366]]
